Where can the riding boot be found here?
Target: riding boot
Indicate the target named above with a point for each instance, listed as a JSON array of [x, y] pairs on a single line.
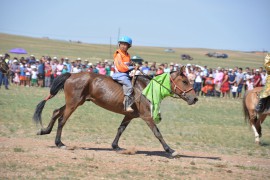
[[127, 103], [261, 105]]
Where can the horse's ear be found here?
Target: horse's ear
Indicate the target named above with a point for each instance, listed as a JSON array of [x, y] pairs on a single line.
[[182, 69]]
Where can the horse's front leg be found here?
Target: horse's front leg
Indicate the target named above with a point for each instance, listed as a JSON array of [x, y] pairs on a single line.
[[155, 130], [121, 129]]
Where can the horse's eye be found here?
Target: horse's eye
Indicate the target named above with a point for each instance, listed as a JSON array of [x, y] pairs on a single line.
[[185, 82]]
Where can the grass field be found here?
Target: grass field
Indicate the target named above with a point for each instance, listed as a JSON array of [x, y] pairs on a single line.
[[94, 52], [214, 126], [211, 136]]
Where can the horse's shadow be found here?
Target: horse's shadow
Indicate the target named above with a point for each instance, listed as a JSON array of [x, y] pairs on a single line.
[[150, 153]]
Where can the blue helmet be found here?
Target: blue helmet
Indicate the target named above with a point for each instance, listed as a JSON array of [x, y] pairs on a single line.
[[125, 39]]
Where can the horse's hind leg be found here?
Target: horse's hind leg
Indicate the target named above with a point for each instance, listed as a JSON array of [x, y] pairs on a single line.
[[56, 114], [258, 126], [158, 135], [121, 129], [62, 121]]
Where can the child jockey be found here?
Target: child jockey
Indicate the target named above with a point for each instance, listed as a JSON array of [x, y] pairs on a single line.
[[123, 66]]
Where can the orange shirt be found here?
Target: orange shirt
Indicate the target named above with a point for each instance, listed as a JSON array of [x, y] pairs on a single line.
[[121, 59]]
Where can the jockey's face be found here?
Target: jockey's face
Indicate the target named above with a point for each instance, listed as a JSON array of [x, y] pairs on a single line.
[[124, 46]]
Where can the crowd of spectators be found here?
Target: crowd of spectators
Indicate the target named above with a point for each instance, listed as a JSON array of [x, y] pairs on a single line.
[[218, 82]]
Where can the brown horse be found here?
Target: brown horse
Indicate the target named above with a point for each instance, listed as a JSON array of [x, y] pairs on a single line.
[[250, 101], [108, 94]]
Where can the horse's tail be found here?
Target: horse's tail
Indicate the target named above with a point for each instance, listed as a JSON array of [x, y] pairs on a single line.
[[245, 109], [57, 85]]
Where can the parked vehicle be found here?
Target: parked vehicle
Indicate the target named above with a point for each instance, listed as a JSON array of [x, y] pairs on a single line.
[[217, 55], [169, 50], [186, 56]]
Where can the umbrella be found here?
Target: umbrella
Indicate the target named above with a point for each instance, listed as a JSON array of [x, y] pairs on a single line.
[[18, 51], [136, 59]]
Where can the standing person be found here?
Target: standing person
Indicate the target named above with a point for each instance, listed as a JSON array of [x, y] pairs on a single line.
[[34, 77], [249, 83], [59, 67], [108, 69], [198, 81], [28, 70], [160, 69], [263, 76], [240, 82], [266, 91], [123, 66], [191, 76], [22, 75], [218, 79], [15, 68], [152, 72], [66, 62], [145, 68], [41, 72], [257, 79], [209, 87], [102, 69], [234, 89], [48, 73], [225, 88], [232, 76], [166, 68]]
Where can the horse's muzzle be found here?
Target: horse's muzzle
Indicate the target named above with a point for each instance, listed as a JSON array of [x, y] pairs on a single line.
[[191, 100]]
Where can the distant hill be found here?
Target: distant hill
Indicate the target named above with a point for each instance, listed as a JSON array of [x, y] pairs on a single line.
[[94, 52]]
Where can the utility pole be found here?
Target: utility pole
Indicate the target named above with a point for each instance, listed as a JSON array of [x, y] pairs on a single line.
[[110, 47], [118, 36]]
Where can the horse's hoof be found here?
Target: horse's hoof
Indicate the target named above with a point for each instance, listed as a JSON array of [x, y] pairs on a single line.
[[63, 147], [118, 149], [175, 155], [258, 142], [39, 132]]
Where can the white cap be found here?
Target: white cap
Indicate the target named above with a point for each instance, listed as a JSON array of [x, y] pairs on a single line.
[[176, 64], [188, 64], [171, 64], [54, 57], [105, 60], [1, 55], [15, 61], [66, 58], [31, 55], [219, 68], [78, 59], [257, 70], [90, 64], [86, 60], [211, 75], [37, 60]]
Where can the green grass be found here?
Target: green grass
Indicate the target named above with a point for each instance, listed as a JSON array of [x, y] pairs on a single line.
[[94, 52]]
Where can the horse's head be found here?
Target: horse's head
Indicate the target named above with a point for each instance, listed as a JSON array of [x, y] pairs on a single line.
[[181, 86]]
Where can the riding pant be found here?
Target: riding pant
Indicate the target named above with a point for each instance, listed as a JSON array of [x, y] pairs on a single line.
[[124, 79]]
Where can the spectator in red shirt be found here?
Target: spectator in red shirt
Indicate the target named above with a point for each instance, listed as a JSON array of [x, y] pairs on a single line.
[[257, 79]]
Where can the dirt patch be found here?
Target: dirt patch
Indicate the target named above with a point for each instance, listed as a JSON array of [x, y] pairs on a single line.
[[36, 158]]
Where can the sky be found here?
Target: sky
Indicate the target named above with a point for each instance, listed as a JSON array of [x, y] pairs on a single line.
[[229, 24]]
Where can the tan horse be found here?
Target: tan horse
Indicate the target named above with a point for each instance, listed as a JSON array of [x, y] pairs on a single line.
[[250, 101], [106, 93]]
